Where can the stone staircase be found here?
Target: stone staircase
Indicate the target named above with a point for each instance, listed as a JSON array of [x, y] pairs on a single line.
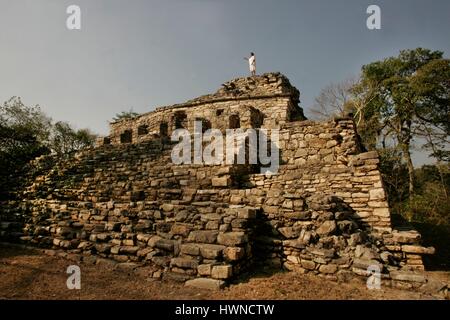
[[129, 203]]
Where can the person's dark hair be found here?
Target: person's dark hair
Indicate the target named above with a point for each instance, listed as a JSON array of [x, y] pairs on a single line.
[[251, 53]]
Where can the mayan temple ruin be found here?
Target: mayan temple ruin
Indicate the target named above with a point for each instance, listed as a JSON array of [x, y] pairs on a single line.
[[325, 212]]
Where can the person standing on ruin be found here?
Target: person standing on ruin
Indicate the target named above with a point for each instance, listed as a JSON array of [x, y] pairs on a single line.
[[252, 63]]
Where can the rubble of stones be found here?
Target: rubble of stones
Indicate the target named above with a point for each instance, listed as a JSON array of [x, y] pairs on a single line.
[[267, 85]]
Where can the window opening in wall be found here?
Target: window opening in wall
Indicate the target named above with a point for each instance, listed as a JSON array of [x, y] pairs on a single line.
[[142, 130], [163, 129], [180, 119], [234, 122], [206, 124], [126, 136]]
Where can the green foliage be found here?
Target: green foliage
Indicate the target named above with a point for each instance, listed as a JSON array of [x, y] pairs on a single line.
[[437, 236], [65, 139], [430, 203], [22, 119], [394, 174], [408, 90], [23, 135], [125, 115], [406, 98], [26, 133], [17, 146], [428, 209]]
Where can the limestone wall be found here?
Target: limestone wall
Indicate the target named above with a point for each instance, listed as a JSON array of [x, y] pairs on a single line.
[[324, 158], [129, 203], [266, 101]]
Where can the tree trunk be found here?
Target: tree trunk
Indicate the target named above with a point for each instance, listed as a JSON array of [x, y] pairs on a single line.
[[410, 166], [438, 161], [441, 175]]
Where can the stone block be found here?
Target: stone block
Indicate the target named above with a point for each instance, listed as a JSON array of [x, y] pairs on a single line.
[[205, 283], [377, 194], [407, 276], [381, 212], [326, 228], [211, 251], [164, 244], [232, 239], [202, 236], [221, 182], [301, 215], [234, 253], [185, 263], [131, 250], [368, 155], [366, 263], [190, 249], [181, 229], [417, 249], [407, 237], [222, 272], [308, 264], [204, 269], [328, 268], [239, 223], [153, 240], [246, 213], [294, 259], [103, 248], [290, 232], [212, 225], [128, 242], [167, 207]]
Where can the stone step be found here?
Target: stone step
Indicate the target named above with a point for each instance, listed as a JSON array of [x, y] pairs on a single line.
[[205, 283]]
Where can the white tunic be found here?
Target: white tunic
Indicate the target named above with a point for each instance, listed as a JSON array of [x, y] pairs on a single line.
[[252, 63]]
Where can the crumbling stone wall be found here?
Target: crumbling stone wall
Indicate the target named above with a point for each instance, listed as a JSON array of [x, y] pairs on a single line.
[[324, 158], [131, 204], [265, 101], [325, 212]]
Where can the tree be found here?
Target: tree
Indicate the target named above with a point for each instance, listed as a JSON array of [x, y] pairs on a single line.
[[334, 99], [430, 200], [395, 175], [125, 115], [65, 139], [24, 133], [15, 115], [402, 95], [433, 83]]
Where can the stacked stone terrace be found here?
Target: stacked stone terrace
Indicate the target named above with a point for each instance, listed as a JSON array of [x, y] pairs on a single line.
[[325, 212]]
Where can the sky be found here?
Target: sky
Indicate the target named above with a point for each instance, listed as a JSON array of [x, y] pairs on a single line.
[[143, 54]]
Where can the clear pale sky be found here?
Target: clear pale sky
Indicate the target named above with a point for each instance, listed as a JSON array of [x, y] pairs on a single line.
[[143, 54]]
